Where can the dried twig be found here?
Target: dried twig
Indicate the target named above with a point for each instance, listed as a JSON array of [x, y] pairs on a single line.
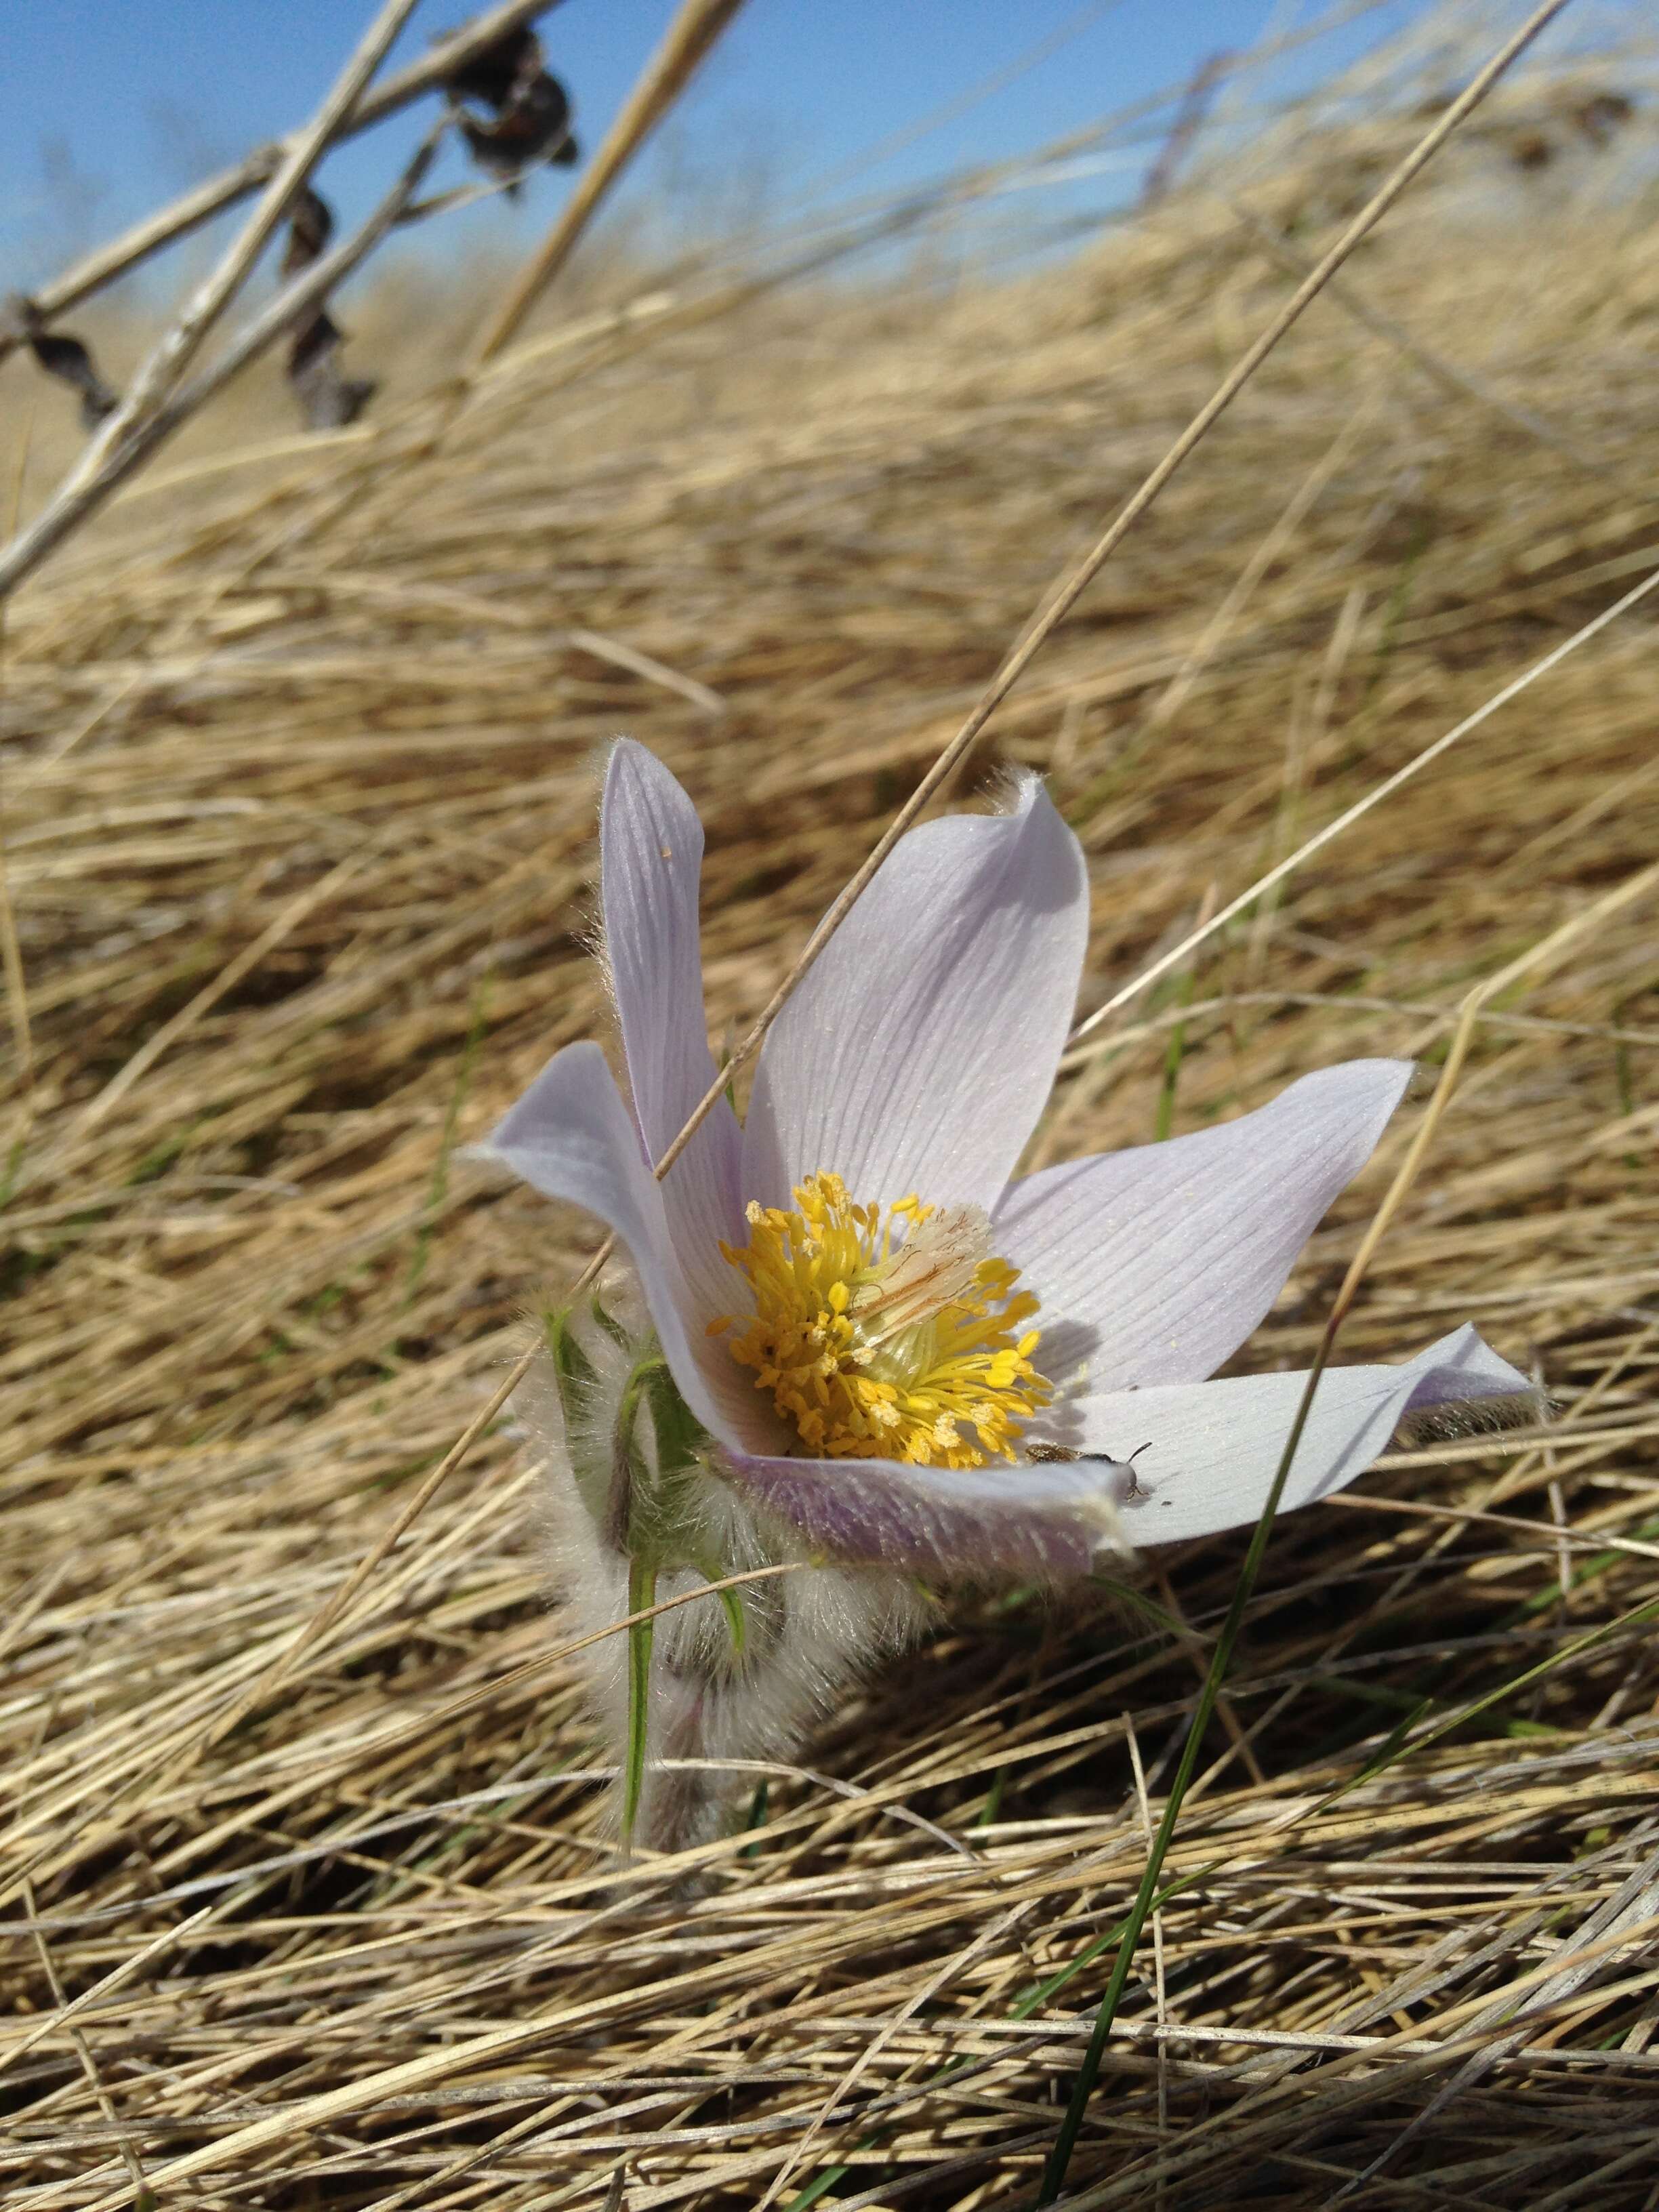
[[60, 355], [85, 493], [1189, 121], [697, 26], [124, 437], [329, 399], [200, 204]]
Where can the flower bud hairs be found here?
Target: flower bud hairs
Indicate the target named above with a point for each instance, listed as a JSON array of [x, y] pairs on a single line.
[[850, 1346]]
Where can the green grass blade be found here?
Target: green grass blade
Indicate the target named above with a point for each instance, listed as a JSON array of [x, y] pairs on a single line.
[[1053, 2172]]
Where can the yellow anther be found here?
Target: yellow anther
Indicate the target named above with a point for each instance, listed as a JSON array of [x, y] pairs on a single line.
[[886, 1334]]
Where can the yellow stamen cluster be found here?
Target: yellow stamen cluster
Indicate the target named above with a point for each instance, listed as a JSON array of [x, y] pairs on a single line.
[[875, 1346]]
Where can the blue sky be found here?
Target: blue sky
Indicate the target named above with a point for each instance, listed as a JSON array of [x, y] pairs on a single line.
[[107, 110]]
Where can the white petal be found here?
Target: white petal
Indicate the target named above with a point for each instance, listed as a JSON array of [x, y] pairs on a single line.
[[1044, 1521], [1214, 1448], [651, 845], [1153, 1265], [917, 1054], [569, 1137]]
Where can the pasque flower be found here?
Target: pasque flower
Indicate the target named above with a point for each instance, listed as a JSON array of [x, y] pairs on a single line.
[[884, 1350]]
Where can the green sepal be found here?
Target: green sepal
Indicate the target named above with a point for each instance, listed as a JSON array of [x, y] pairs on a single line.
[[629, 1520], [578, 1380], [648, 1514], [682, 1443], [608, 1322], [575, 1371], [681, 1437], [669, 1527]]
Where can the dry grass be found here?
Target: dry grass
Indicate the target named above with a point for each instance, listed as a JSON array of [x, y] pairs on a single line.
[[303, 904]]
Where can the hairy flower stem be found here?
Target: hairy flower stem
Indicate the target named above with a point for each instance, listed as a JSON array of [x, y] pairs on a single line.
[[640, 1511]]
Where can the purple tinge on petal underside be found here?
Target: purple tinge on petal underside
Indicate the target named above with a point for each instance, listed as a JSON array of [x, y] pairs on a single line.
[[570, 1137], [651, 845], [1044, 1523], [916, 1053], [1214, 1447], [1153, 1265]]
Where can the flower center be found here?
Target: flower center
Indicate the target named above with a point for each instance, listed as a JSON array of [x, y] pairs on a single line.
[[886, 1339]]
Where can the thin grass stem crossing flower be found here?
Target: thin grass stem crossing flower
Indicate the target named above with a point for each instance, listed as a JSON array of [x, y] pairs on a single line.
[[861, 1344]]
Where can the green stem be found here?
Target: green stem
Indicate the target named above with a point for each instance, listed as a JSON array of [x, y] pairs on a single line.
[[641, 1596]]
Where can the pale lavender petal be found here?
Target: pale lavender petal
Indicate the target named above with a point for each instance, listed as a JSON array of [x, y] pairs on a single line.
[[651, 843], [570, 1137], [1042, 1521], [1214, 1448], [1153, 1265], [916, 1055]]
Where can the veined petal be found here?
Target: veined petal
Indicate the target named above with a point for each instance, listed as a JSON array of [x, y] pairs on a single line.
[[1042, 1521], [916, 1053], [651, 844], [570, 1137], [1213, 1449], [1153, 1264]]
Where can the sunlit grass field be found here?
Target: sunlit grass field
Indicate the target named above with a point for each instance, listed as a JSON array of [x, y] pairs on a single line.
[[299, 792]]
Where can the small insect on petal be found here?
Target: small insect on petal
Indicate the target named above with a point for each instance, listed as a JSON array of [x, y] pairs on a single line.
[[1044, 1453]]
